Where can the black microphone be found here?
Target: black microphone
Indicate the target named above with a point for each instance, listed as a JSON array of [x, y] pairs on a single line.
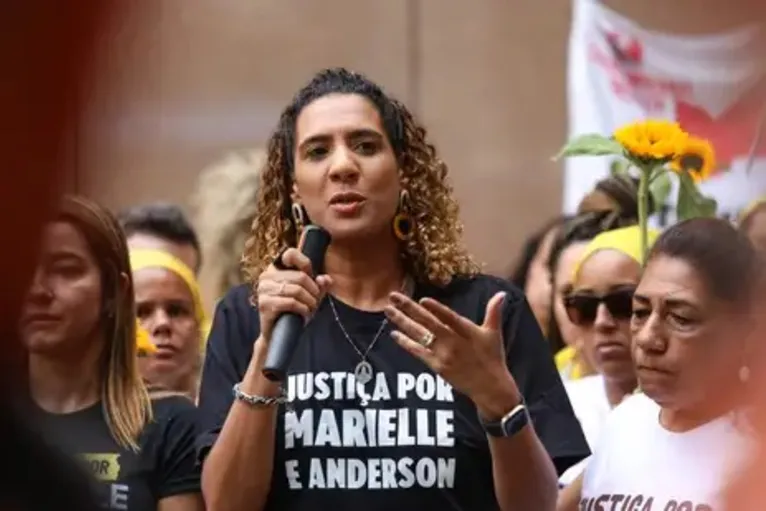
[[288, 327]]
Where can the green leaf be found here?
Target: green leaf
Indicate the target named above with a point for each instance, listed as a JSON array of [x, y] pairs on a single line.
[[708, 206], [660, 187], [591, 144], [691, 202], [619, 167]]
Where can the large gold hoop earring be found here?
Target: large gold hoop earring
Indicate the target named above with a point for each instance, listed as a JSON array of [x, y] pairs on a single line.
[[299, 215], [402, 223]]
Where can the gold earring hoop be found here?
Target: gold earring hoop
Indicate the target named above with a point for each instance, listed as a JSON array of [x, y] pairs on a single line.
[[299, 215], [402, 223]]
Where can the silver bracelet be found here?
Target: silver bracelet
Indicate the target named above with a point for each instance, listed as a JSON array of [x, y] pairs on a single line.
[[252, 400]]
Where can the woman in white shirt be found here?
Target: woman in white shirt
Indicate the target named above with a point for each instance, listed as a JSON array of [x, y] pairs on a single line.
[[675, 445], [600, 304]]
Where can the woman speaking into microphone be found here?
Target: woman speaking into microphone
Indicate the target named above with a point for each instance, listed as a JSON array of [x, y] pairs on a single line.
[[418, 383]]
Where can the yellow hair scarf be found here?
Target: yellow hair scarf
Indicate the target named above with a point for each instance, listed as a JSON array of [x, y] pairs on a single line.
[[626, 240], [145, 258], [567, 364]]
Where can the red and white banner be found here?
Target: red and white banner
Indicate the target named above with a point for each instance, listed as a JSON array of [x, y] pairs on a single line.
[[715, 86]]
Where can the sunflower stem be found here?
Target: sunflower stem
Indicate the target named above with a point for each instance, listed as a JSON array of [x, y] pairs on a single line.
[[643, 206]]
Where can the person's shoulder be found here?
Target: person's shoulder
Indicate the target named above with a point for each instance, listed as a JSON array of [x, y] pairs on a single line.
[[173, 415], [168, 446], [171, 405], [237, 298], [637, 407], [584, 387], [469, 295], [236, 320], [628, 425], [587, 396], [478, 287]]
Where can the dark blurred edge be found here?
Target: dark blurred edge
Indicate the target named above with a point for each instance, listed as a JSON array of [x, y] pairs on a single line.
[[45, 59], [46, 50]]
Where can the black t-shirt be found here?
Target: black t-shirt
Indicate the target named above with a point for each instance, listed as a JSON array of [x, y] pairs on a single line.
[[35, 476], [418, 444], [166, 464]]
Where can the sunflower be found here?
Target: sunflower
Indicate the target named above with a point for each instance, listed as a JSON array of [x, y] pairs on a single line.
[[144, 342], [652, 139], [697, 159]]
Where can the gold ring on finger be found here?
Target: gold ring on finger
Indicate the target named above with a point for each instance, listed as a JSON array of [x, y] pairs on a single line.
[[427, 340]]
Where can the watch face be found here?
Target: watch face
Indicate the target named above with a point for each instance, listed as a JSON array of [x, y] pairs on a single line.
[[509, 425], [506, 424], [514, 421]]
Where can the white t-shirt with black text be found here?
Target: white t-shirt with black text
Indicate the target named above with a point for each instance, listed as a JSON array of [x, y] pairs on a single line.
[[591, 407], [640, 465]]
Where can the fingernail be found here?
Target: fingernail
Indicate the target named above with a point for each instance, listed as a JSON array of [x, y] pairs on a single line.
[[395, 298], [388, 310]]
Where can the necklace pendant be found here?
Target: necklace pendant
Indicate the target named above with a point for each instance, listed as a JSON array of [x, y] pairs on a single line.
[[363, 372]]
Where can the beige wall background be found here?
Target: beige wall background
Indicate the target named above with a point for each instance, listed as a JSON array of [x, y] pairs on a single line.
[[183, 82]]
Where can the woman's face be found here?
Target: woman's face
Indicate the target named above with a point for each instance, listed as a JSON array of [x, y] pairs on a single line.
[[562, 285], [601, 302], [346, 174], [538, 285], [165, 308], [62, 308], [687, 344]]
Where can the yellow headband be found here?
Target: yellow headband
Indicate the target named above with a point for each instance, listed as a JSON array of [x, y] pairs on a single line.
[[626, 240], [143, 258]]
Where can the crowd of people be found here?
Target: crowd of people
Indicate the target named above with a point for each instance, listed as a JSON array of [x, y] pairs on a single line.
[[592, 378]]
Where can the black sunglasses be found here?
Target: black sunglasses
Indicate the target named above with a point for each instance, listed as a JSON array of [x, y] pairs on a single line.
[[582, 309]]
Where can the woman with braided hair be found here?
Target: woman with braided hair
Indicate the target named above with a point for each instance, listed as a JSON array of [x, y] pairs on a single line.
[[416, 376], [618, 192]]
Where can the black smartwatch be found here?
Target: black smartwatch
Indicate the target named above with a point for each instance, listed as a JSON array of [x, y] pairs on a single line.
[[511, 423]]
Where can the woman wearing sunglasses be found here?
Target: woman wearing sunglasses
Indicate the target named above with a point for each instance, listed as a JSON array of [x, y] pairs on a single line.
[[573, 360], [600, 305], [677, 443]]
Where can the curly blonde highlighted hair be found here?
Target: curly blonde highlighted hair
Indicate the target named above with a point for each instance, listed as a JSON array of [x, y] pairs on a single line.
[[434, 253]]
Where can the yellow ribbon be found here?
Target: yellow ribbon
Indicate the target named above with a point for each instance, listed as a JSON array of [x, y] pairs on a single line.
[[566, 362], [144, 342]]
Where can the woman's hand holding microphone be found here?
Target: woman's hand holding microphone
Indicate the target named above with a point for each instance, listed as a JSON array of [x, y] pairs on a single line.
[[287, 285], [290, 287]]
